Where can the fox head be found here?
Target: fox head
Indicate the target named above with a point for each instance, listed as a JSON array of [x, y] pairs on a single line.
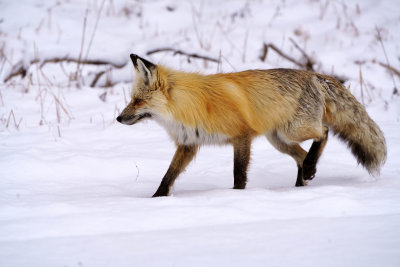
[[148, 95]]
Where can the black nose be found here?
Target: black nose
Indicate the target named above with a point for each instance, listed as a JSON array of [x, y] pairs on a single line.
[[119, 118]]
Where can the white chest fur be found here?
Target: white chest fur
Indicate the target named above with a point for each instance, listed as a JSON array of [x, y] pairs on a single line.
[[189, 136]]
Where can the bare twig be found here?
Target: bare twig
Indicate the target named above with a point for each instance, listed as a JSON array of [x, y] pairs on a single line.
[[56, 99], [1, 98], [229, 63], [97, 77], [219, 62], [279, 52], [95, 28], [379, 37], [103, 96], [138, 172], [180, 52], [245, 46], [126, 101], [85, 61], [309, 62], [11, 115], [388, 67], [16, 71], [116, 113], [82, 44], [362, 86]]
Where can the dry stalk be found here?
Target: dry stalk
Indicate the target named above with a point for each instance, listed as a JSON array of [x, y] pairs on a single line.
[[11, 115], [1, 98], [95, 29], [56, 99], [42, 117], [96, 78], [109, 82], [196, 30], [219, 65], [3, 59], [126, 101], [103, 96], [388, 67], [137, 168], [309, 62], [229, 63], [361, 86], [379, 37], [116, 113], [82, 44], [245, 46]]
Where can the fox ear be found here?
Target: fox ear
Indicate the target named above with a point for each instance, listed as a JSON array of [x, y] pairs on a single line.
[[144, 67]]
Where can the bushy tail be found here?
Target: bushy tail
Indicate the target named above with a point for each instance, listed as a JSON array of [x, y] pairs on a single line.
[[350, 121]]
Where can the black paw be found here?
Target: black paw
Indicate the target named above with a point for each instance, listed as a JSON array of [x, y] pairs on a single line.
[[309, 170], [161, 192], [300, 182], [239, 186]]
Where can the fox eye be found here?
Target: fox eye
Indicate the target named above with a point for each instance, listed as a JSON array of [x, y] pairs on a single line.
[[137, 101]]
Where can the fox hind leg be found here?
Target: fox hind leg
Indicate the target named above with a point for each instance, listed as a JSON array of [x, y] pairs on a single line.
[[292, 149], [310, 161]]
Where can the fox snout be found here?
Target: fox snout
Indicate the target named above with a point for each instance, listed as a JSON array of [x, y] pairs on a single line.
[[132, 119], [119, 118]]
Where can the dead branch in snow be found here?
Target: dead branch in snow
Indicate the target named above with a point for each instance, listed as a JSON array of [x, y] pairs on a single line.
[[16, 71], [183, 53], [20, 70], [85, 61], [308, 65]]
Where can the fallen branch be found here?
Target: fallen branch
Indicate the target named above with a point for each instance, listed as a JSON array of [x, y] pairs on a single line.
[[20, 70], [97, 77], [180, 52], [307, 66], [85, 61], [16, 71]]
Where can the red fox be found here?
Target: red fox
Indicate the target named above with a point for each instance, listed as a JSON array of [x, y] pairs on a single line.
[[287, 106]]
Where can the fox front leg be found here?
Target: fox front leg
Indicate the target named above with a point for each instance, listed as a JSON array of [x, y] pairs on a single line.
[[183, 156]]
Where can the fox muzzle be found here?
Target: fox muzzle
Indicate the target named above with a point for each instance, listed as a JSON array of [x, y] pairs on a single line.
[[129, 120]]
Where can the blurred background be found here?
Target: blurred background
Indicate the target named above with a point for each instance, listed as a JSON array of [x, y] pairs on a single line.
[[86, 44]]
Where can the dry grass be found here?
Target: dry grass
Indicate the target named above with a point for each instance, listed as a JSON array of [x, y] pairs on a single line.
[[11, 119]]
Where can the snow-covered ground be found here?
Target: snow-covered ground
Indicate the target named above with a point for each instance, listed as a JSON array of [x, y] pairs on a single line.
[[75, 185]]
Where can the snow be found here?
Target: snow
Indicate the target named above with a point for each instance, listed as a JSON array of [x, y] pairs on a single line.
[[75, 186]]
